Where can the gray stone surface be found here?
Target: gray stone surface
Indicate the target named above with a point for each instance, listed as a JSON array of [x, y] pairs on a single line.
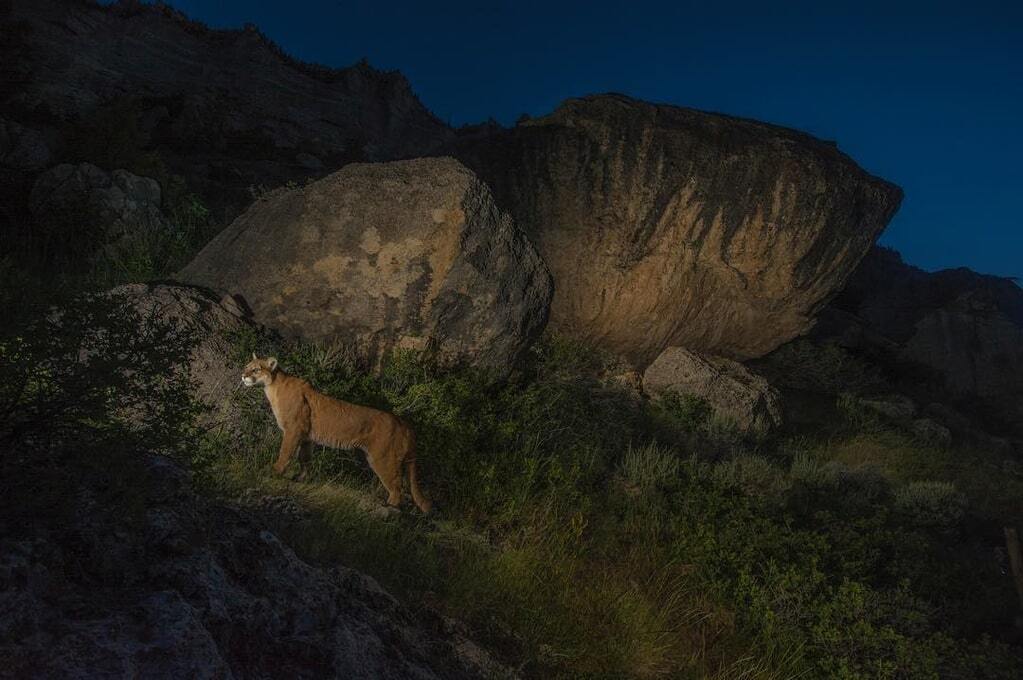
[[403, 254], [665, 226], [732, 390]]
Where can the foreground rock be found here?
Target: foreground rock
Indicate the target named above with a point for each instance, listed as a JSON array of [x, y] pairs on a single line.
[[667, 226], [211, 322], [403, 254], [190, 589], [734, 392]]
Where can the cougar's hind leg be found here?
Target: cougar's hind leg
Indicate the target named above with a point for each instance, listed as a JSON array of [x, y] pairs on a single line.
[[305, 459], [388, 470]]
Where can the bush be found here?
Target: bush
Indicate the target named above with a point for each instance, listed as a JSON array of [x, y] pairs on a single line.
[[650, 468], [931, 504], [87, 389], [824, 368]]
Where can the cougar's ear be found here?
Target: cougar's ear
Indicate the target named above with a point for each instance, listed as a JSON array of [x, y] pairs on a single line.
[[271, 363], [254, 357]]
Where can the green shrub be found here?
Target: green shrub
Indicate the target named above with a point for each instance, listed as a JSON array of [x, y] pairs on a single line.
[[825, 368], [87, 389], [650, 468], [754, 476], [931, 504], [685, 411]]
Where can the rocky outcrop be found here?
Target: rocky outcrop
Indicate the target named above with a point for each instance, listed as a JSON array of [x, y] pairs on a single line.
[[734, 392], [185, 588], [99, 209], [667, 226], [965, 327], [227, 110], [210, 324], [404, 254]]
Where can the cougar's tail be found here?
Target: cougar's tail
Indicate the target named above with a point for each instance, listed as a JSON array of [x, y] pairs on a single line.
[[421, 501]]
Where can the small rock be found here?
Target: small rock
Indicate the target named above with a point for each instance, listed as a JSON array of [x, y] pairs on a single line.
[[732, 390], [385, 512], [931, 431]]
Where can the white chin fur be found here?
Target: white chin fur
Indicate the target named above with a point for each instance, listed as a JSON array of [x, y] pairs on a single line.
[[248, 382]]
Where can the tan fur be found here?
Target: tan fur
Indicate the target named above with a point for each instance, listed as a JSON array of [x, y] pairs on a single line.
[[309, 417]]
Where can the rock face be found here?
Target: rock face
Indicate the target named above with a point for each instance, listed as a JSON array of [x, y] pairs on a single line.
[[403, 254], [110, 208], [210, 322], [22, 148], [191, 589], [667, 226], [732, 390], [964, 326], [225, 109]]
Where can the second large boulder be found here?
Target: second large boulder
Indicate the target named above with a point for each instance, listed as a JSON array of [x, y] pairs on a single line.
[[667, 226], [404, 254]]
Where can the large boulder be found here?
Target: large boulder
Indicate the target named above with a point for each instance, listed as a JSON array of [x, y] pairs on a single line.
[[403, 254], [734, 392], [668, 226]]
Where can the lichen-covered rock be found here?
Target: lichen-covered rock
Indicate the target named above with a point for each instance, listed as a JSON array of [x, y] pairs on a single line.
[[186, 588], [667, 226], [734, 392], [403, 254]]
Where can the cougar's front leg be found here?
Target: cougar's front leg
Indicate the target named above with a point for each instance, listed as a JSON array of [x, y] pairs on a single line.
[[293, 438]]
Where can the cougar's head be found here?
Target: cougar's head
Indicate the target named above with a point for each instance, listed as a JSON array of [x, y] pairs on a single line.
[[259, 371]]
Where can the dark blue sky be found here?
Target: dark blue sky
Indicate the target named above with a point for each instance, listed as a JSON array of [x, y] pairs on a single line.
[[927, 95]]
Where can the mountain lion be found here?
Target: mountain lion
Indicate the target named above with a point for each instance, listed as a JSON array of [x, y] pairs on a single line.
[[307, 417]]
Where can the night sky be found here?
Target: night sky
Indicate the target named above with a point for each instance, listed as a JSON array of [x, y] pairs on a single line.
[[928, 95]]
